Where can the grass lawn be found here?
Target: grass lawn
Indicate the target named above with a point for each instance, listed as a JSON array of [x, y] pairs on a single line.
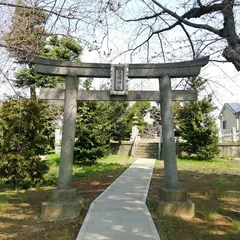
[[214, 187], [19, 211], [113, 162]]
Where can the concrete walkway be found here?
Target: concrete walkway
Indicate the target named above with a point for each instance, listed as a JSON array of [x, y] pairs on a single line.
[[120, 212]]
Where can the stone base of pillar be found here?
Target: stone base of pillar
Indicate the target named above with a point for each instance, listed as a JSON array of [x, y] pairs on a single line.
[[175, 203], [66, 195], [63, 205]]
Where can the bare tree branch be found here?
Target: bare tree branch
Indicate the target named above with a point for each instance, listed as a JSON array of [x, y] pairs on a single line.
[[161, 44], [142, 18], [203, 10], [199, 3], [190, 40], [181, 19]]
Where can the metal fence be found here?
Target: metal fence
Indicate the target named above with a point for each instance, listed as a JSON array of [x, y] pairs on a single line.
[[229, 135]]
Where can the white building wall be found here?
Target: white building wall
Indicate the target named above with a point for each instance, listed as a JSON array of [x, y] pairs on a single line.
[[229, 117]]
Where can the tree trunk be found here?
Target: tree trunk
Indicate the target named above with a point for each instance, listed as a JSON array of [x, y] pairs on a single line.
[[16, 184], [33, 94], [232, 54]]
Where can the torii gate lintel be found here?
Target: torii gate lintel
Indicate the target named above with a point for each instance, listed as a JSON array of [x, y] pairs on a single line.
[[101, 70]]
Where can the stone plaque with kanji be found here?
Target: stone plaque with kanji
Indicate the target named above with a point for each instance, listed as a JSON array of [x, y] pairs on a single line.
[[119, 79]]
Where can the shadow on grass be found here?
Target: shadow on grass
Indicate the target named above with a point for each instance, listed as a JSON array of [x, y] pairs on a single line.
[[217, 203], [20, 211], [196, 158], [50, 179], [89, 171], [19, 221]]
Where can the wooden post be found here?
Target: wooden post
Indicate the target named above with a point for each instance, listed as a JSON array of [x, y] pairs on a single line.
[[68, 136], [169, 148]]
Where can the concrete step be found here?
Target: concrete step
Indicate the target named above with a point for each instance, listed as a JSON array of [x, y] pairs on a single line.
[[147, 150], [147, 144], [147, 147], [146, 156]]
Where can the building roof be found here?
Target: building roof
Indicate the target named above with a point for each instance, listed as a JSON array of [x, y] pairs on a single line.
[[234, 107]]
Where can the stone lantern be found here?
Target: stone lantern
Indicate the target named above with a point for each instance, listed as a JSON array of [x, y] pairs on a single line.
[[135, 130]]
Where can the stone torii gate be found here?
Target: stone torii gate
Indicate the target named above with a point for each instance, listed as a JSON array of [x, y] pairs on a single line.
[[173, 201]]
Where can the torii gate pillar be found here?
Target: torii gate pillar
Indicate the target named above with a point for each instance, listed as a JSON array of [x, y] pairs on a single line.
[[64, 203], [69, 129], [169, 149], [173, 201]]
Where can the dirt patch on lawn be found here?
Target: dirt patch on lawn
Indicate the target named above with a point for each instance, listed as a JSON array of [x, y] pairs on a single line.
[[217, 203], [19, 215]]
